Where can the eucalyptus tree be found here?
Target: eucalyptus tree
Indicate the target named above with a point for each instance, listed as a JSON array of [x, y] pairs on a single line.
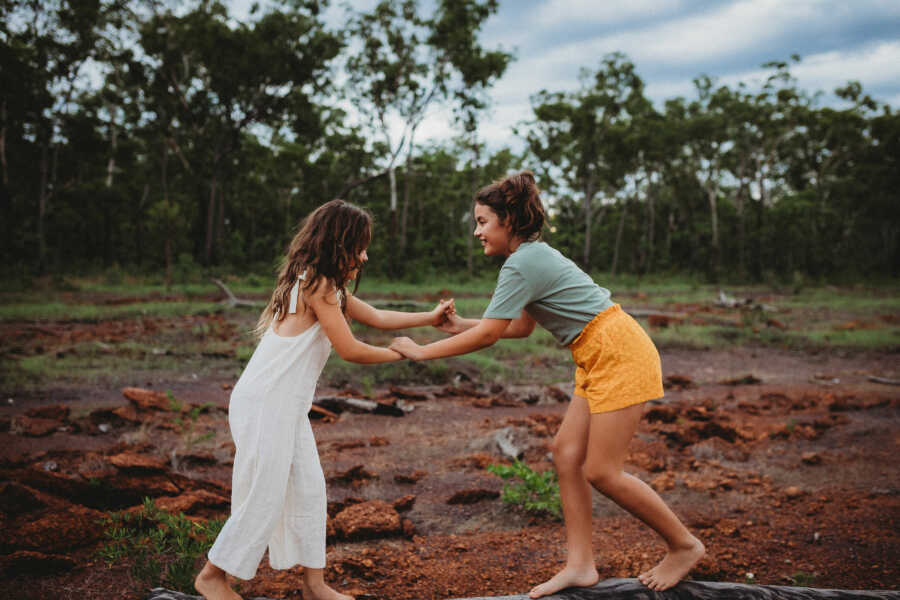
[[583, 134], [402, 62], [45, 49], [222, 78]]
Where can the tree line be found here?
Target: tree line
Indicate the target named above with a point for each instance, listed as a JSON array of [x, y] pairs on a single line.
[[154, 135]]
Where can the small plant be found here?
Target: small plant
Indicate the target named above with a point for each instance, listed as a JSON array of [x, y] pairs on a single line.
[[803, 579], [161, 548], [537, 493], [174, 403]]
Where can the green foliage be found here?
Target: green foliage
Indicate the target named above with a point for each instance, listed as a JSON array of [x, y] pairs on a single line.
[[803, 579], [160, 548], [536, 493]]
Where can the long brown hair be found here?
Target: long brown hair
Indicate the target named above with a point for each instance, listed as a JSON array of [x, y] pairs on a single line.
[[327, 246], [517, 202]]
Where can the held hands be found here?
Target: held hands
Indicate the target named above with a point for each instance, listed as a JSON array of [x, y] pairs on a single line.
[[448, 320], [442, 311], [443, 317], [407, 348]]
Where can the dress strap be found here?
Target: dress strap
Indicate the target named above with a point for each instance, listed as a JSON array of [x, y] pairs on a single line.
[[295, 293]]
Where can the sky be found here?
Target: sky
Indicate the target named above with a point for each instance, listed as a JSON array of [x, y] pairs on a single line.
[[671, 42]]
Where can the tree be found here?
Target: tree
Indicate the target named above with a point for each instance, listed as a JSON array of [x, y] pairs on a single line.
[[583, 134], [407, 62]]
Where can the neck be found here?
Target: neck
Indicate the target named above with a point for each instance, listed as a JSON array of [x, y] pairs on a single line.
[[514, 244]]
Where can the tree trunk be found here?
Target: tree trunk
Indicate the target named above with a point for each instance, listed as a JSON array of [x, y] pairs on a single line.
[[619, 230], [219, 244], [3, 145], [42, 211], [395, 223], [467, 232], [651, 226], [760, 209], [712, 194], [111, 163], [168, 218], [589, 191], [210, 215]]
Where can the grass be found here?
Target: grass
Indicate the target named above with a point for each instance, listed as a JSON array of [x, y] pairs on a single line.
[[815, 318], [58, 311]]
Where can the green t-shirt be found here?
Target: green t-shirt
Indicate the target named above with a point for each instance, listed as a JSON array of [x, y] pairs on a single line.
[[551, 288]]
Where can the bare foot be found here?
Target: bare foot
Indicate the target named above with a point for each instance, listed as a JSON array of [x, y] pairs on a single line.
[[214, 586], [673, 568], [568, 577], [321, 591]]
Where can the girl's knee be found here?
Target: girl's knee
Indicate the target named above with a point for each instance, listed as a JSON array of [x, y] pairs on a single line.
[[566, 455], [603, 477]]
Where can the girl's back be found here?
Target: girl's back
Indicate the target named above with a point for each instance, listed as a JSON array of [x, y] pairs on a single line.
[[286, 364]]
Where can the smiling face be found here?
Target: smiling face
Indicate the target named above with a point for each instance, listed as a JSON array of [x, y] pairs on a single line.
[[495, 236]]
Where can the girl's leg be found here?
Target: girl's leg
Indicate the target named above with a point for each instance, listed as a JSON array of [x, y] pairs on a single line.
[[569, 448], [212, 584], [315, 588], [610, 434]]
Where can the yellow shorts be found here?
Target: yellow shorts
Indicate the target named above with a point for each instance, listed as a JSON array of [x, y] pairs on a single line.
[[617, 364]]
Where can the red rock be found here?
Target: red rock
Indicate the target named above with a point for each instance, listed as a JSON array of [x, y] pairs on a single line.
[[404, 503], [138, 462], [472, 496], [811, 458], [34, 563], [409, 530], [148, 399], [128, 413], [37, 426], [661, 414], [354, 475], [191, 501], [16, 499], [56, 531], [410, 477], [378, 441], [793, 492], [59, 412], [371, 519]]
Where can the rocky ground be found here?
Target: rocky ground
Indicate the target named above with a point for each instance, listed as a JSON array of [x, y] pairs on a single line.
[[788, 476]]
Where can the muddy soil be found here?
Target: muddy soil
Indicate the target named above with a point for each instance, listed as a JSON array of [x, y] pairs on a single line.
[[788, 476]]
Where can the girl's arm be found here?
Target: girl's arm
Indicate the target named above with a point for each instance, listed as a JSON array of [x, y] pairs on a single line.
[[393, 319], [328, 311], [482, 335], [517, 328]]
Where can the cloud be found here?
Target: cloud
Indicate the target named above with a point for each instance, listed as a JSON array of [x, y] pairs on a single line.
[[563, 13]]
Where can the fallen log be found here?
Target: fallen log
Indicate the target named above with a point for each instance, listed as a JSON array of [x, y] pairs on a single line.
[[632, 589], [339, 404], [884, 380], [233, 300]]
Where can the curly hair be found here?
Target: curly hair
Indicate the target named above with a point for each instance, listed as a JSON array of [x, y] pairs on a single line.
[[516, 201], [326, 247]]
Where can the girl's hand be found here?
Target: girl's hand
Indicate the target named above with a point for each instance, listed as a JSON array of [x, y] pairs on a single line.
[[407, 348], [441, 311], [451, 324]]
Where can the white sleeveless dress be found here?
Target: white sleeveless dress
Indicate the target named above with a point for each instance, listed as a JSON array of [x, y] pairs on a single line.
[[278, 488]]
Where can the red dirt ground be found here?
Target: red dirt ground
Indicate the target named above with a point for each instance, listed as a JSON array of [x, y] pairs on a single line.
[[794, 479]]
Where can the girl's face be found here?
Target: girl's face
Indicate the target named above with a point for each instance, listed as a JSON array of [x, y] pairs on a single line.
[[361, 257], [495, 236]]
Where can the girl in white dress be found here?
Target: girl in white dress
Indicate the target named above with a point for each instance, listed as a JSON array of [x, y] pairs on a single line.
[[278, 489]]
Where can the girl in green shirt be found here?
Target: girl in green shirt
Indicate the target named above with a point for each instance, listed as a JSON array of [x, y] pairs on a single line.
[[617, 371]]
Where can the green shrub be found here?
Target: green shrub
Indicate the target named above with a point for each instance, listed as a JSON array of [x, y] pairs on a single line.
[[163, 549], [537, 493]]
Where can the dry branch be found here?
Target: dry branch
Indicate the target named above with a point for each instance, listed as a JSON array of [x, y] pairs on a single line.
[[233, 300]]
